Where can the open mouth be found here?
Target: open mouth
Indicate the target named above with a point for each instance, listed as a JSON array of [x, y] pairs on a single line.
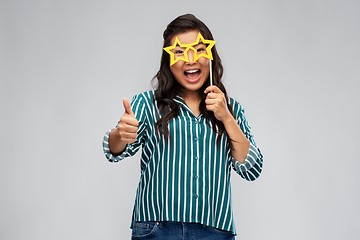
[[192, 75]]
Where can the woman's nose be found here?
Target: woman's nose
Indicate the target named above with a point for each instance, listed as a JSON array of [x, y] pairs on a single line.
[[191, 56]]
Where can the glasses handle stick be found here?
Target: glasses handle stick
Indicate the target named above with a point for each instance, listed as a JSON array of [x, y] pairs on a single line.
[[211, 80]]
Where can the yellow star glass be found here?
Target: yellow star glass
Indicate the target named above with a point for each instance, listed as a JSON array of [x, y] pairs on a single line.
[[200, 39]]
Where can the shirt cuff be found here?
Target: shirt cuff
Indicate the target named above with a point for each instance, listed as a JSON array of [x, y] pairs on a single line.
[[248, 169], [109, 155]]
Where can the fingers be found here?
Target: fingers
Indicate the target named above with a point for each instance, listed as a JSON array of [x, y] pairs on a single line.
[[128, 124], [127, 128], [127, 107], [216, 102], [214, 96], [128, 137], [129, 120], [215, 105], [213, 89]]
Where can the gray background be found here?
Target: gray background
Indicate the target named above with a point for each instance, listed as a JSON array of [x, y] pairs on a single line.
[[66, 65]]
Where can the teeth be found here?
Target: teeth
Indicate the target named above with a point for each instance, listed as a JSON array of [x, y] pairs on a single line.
[[192, 71]]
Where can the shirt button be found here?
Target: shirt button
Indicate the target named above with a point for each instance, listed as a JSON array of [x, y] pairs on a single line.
[[196, 158], [196, 196], [196, 139], [196, 177]]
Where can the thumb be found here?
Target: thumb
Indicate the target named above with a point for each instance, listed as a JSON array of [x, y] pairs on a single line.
[[127, 107]]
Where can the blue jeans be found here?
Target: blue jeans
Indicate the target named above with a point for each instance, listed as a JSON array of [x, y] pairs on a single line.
[[178, 231]]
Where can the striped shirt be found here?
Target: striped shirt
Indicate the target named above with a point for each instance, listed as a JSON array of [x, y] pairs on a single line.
[[186, 178]]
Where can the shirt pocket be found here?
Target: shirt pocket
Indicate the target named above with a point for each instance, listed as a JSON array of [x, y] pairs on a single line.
[[144, 229]]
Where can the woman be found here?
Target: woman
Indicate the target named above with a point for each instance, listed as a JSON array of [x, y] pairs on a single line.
[[191, 135]]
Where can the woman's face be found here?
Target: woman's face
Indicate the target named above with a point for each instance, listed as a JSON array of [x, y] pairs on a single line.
[[191, 75]]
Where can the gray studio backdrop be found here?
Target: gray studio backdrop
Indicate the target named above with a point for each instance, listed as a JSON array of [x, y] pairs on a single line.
[[66, 65]]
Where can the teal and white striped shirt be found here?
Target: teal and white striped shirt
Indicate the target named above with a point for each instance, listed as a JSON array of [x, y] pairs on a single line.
[[186, 179]]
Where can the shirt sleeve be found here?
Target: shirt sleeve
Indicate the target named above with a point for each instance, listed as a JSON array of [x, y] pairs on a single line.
[[249, 170], [138, 107]]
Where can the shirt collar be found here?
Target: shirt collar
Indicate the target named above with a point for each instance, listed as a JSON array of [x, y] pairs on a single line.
[[179, 100]]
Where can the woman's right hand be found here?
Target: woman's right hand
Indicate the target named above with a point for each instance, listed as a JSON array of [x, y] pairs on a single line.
[[128, 125], [125, 132]]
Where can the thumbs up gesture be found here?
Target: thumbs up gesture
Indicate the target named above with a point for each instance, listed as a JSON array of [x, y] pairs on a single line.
[[128, 124]]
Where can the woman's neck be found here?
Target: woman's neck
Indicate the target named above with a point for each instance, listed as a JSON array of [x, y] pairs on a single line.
[[192, 100], [191, 97]]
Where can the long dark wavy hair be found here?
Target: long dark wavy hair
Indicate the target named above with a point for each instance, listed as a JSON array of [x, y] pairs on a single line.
[[167, 87]]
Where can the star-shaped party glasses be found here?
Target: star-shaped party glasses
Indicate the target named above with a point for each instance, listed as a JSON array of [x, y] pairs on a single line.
[[182, 50]]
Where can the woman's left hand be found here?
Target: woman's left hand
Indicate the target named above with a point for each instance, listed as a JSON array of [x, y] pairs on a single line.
[[216, 102]]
